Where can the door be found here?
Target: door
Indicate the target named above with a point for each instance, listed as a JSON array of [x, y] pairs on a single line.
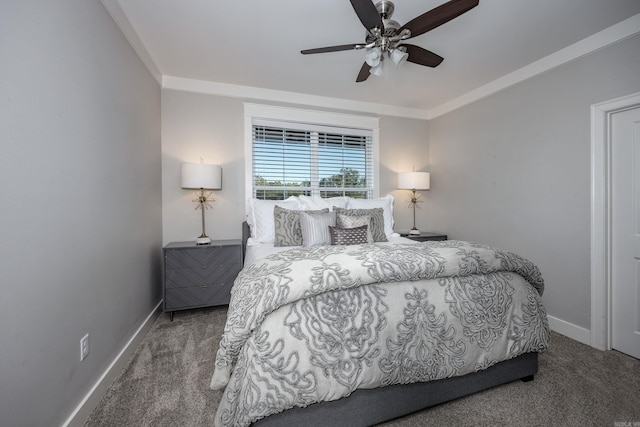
[[625, 231]]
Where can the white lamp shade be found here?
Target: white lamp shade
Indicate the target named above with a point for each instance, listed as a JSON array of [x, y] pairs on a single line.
[[414, 180], [201, 175]]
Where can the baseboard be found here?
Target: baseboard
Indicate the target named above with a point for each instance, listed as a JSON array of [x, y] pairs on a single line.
[[93, 397], [570, 330]]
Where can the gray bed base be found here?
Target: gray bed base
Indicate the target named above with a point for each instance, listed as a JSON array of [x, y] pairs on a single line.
[[367, 407]]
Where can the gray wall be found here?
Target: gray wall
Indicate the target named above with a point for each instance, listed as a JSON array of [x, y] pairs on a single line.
[[80, 202], [212, 127], [514, 170]]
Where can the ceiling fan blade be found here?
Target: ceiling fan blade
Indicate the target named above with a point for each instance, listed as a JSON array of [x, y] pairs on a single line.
[[332, 48], [368, 14], [364, 73], [421, 56], [438, 16]]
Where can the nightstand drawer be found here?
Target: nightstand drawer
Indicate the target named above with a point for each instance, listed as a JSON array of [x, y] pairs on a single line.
[[197, 296], [203, 257], [198, 276]]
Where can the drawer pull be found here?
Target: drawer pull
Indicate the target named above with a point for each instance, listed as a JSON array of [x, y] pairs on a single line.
[[204, 286]]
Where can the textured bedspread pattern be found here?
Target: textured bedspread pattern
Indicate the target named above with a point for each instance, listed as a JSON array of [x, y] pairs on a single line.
[[316, 323]]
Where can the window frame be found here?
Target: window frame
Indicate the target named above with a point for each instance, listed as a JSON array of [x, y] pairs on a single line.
[[308, 117]]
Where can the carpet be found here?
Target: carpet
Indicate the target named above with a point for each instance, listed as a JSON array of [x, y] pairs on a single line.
[[166, 383]]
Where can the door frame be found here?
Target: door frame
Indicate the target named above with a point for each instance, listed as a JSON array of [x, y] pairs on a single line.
[[601, 282]]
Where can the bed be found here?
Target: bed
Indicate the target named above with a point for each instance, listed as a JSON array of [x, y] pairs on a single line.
[[358, 334]]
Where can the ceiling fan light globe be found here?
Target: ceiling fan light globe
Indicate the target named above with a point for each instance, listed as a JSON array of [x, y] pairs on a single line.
[[398, 56], [372, 62], [373, 57], [377, 70]]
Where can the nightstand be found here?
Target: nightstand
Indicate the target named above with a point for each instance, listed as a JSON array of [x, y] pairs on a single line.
[[199, 275], [424, 236]]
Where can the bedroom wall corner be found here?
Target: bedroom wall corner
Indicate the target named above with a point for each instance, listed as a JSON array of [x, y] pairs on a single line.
[[404, 147]]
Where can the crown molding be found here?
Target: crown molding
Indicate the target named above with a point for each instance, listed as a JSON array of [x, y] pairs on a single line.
[[121, 20], [256, 93], [620, 31]]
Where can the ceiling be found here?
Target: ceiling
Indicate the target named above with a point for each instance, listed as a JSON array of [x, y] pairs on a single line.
[[257, 43]]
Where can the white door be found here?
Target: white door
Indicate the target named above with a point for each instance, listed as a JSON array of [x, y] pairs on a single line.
[[625, 237]]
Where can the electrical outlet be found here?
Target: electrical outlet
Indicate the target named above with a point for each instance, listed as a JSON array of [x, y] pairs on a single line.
[[84, 347]]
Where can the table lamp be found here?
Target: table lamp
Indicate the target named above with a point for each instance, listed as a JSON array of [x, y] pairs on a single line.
[[414, 181], [202, 176]]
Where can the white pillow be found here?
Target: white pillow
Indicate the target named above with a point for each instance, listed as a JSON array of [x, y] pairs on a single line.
[[386, 203], [261, 220], [313, 203]]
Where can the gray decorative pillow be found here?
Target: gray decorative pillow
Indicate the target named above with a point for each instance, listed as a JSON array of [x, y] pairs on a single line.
[[315, 227], [349, 236], [377, 220], [287, 226], [347, 221]]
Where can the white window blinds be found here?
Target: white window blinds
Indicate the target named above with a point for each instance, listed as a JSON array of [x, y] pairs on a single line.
[[292, 159]]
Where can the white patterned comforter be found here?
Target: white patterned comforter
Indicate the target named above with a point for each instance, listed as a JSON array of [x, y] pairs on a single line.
[[314, 324]]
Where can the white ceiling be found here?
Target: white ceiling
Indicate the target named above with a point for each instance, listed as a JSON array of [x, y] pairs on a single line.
[[257, 43]]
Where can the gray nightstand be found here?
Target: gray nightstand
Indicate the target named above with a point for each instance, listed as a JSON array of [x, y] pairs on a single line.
[[424, 236], [199, 275]]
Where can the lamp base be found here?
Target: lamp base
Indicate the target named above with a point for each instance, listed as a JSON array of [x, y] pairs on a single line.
[[414, 232], [203, 240]]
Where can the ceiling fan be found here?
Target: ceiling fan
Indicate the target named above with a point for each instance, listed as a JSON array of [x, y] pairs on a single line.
[[386, 36]]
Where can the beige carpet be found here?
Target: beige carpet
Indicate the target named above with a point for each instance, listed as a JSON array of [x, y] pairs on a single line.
[[166, 383]]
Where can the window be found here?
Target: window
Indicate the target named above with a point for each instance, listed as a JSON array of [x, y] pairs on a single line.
[[289, 158]]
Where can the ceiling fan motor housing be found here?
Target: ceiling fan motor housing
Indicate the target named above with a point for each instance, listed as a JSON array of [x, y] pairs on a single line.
[[385, 9]]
